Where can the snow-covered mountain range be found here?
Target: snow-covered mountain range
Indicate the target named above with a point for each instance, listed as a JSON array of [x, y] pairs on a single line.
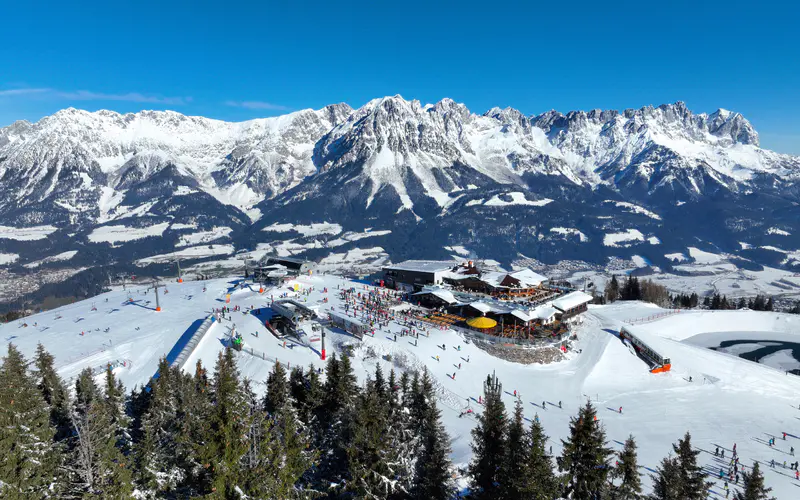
[[426, 176]]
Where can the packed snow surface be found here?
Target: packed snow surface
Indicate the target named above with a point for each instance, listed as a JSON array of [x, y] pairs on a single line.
[[622, 239], [634, 208], [703, 257], [458, 249], [204, 236], [569, 231], [313, 229], [516, 199], [63, 256], [198, 252], [730, 400], [8, 258], [25, 233], [116, 234]]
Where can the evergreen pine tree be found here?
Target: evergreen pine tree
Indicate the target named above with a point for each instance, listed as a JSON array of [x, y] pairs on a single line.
[[28, 457], [754, 488], [404, 446], [667, 480], [489, 443], [97, 466], [585, 456], [692, 478], [54, 392], [370, 474], [277, 390], [155, 432], [627, 470], [276, 456], [541, 483], [228, 425], [298, 391], [86, 390], [612, 290], [380, 385], [513, 476], [432, 478], [335, 420], [312, 399]]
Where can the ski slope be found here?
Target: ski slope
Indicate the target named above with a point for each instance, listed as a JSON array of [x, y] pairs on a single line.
[[729, 401]]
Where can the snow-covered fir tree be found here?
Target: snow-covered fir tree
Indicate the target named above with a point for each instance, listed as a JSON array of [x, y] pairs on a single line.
[[28, 455], [692, 478], [541, 482], [627, 472], [585, 456], [754, 487], [667, 480], [489, 443]]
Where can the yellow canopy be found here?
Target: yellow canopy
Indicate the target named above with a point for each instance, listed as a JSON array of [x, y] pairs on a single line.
[[482, 322]]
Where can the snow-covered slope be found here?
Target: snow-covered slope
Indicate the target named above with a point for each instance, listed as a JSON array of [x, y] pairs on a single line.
[[729, 401], [76, 159], [666, 147]]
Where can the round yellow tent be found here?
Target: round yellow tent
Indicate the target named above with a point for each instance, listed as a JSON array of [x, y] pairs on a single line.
[[482, 323]]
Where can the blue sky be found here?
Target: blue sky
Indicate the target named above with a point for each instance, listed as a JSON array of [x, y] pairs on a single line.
[[240, 60]]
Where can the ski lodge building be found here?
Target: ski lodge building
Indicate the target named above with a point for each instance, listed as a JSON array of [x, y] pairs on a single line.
[[572, 304], [412, 275], [276, 269], [523, 283]]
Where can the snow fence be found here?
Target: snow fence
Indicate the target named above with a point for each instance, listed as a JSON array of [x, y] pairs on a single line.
[[192, 343]]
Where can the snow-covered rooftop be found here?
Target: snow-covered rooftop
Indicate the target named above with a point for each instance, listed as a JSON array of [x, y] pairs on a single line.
[[481, 306], [445, 295], [572, 299], [544, 312], [423, 266], [528, 278]]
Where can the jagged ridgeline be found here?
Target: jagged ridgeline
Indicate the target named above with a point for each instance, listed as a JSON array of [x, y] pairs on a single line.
[[583, 186]]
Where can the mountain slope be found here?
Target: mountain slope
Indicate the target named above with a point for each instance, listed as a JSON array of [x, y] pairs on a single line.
[[581, 186]]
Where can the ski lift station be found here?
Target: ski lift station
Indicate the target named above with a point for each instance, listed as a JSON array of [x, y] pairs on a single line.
[[658, 363]]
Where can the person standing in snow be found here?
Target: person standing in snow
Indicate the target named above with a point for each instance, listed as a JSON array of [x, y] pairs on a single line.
[[620, 410]]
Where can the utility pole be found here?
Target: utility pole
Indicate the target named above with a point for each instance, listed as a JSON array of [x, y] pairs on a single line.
[[156, 285], [180, 277]]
